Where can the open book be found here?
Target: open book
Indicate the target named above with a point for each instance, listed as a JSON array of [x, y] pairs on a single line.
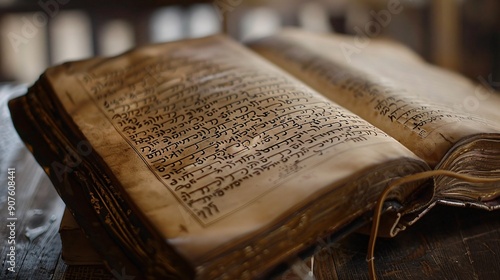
[[204, 159]]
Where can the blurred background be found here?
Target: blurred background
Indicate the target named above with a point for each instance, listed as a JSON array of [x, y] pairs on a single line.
[[462, 35]]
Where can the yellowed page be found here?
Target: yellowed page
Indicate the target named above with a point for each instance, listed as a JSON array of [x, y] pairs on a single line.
[[426, 108], [214, 144]]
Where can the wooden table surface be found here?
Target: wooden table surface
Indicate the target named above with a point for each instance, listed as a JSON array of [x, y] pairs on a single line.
[[448, 243]]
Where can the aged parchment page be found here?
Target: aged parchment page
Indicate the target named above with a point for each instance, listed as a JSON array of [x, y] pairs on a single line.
[[447, 120], [426, 108], [214, 144]]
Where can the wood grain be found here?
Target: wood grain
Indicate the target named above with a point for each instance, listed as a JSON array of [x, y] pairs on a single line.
[[449, 243]]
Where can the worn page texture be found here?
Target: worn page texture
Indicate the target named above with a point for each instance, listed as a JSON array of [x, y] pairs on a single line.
[[426, 108], [213, 143]]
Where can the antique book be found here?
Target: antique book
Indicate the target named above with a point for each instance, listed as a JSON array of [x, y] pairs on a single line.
[[205, 159]]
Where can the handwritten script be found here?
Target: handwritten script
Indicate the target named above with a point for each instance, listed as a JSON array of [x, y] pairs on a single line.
[[218, 128]]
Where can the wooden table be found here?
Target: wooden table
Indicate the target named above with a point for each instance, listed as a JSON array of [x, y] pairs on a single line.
[[448, 243]]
